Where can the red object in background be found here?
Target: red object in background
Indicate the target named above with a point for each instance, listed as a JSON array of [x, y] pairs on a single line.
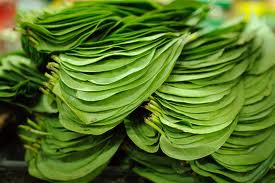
[[7, 13]]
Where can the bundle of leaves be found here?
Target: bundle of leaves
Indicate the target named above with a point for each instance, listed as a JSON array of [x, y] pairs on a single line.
[[101, 76], [216, 109], [19, 79], [54, 153], [249, 152]]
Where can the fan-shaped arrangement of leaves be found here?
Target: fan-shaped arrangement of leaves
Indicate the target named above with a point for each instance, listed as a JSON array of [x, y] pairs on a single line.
[[123, 58], [220, 121], [67, 28], [57, 154], [197, 107], [197, 104], [249, 152], [19, 79]]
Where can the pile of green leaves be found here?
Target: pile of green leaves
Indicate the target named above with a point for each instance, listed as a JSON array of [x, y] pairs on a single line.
[[19, 79], [66, 28], [216, 109], [203, 95], [101, 76], [198, 104], [249, 152], [160, 168], [54, 153]]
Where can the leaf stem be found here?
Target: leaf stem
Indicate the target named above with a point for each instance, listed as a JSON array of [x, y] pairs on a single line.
[[153, 125], [28, 147], [37, 132]]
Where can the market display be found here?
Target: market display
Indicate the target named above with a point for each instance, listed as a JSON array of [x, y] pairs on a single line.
[[185, 103]]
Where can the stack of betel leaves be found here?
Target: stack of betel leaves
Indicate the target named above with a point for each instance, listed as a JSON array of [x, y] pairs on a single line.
[[249, 152], [20, 79], [101, 79], [196, 103], [197, 107], [57, 154], [216, 109]]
